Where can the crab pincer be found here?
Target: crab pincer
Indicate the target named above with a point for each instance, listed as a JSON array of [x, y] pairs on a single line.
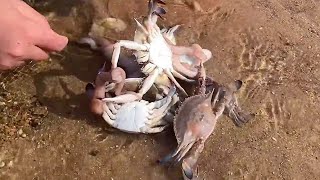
[[96, 91]]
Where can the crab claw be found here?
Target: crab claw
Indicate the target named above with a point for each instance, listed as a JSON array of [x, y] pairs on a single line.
[[202, 55], [232, 108], [96, 105], [189, 162], [160, 2], [155, 9], [89, 90], [238, 116], [189, 168]]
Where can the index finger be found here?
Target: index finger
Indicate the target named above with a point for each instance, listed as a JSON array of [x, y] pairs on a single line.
[[51, 41]]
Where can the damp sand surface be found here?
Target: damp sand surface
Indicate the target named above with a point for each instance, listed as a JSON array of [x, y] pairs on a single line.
[[47, 131]]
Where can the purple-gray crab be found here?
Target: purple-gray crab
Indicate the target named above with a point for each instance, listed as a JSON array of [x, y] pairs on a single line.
[[196, 120]]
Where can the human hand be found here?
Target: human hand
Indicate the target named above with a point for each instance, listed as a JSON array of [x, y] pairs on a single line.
[[25, 35]]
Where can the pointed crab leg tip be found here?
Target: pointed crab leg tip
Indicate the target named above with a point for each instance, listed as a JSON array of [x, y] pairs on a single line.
[[105, 99], [172, 91], [211, 94], [161, 2], [187, 171], [187, 175], [185, 93], [138, 23]]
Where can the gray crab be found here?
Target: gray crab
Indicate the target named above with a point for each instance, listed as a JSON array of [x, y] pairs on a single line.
[[196, 120]]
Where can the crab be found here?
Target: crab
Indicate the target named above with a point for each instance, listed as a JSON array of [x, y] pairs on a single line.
[[195, 122], [141, 116], [156, 50]]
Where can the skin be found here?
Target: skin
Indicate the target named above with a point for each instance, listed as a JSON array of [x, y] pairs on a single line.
[[25, 35]]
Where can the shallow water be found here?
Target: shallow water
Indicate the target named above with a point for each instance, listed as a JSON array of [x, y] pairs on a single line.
[[272, 46]]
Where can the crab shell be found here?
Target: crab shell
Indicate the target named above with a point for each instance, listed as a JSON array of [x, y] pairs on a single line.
[[195, 108], [139, 116]]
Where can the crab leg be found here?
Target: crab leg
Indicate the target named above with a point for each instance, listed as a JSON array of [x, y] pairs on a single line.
[[164, 88], [180, 152], [109, 121], [176, 62], [112, 108], [157, 122], [158, 114], [202, 78], [190, 161], [180, 76], [171, 77], [195, 50], [148, 82], [168, 34], [184, 151], [144, 30], [127, 44], [109, 113], [146, 129], [172, 30], [161, 111], [159, 103], [124, 98]]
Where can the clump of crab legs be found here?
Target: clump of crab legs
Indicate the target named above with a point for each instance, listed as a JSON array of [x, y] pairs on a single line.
[[161, 59]]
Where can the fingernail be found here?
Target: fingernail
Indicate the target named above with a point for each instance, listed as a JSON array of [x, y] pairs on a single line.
[[61, 42]]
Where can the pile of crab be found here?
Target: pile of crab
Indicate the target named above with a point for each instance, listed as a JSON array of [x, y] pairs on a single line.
[[155, 99]]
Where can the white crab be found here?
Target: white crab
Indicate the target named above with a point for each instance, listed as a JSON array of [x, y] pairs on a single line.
[[152, 50], [139, 116]]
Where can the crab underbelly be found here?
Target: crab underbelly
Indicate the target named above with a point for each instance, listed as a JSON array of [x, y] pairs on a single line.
[[161, 55], [132, 116]]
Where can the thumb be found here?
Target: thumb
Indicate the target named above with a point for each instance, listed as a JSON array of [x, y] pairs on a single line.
[[51, 41]]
